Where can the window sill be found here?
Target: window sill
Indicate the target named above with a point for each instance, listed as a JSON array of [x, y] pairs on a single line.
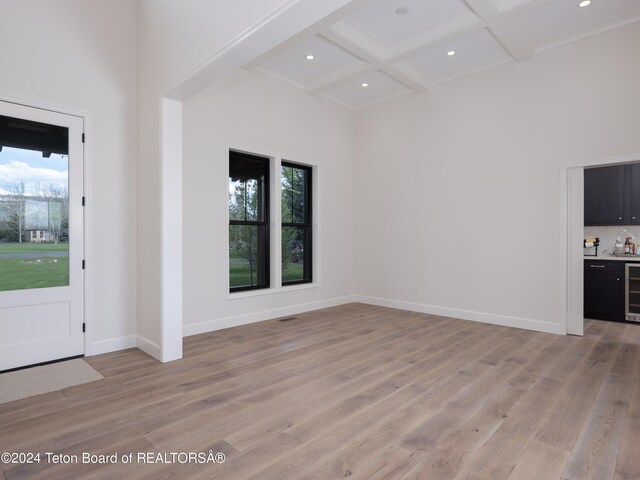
[[272, 291]]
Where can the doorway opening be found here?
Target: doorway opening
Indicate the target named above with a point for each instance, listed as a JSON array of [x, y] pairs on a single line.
[[575, 234]]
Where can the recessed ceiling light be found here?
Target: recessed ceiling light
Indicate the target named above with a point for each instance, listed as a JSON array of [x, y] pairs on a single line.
[[402, 11], [365, 84], [309, 57], [451, 53], [584, 3]]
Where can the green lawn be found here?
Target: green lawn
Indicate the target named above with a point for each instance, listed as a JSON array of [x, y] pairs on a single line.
[[240, 275], [36, 272], [293, 272], [33, 247]]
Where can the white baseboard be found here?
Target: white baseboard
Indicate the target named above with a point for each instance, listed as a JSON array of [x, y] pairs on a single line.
[[153, 349], [113, 345], [236, 320], [504, 320], [149, 347]]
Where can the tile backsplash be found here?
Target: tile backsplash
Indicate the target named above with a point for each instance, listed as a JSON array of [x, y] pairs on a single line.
[[608, 236]]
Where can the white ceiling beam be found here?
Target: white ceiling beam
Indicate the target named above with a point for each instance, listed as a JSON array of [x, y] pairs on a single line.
[[589, 30], [413, 72], [288, 19], [336, 77], [278, 49], [456, 26], [345, 11], [514, 41], [280, 76], [359, 36], [512, 8], [352, 45]]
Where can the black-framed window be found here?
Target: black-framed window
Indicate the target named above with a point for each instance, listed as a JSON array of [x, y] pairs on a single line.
[[248, 222], [295, 182]]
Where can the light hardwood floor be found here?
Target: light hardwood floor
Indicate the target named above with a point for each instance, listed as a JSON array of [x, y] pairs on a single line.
[[357, 392]]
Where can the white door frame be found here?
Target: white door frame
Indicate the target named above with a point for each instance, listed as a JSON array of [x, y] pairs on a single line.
[[88, 246], [572, 234]]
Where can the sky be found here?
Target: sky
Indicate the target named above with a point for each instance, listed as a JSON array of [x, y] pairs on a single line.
[[31, 167]]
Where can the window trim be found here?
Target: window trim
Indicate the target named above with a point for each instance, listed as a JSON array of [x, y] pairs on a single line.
[[276, 158], [308, 225], [265, 223]]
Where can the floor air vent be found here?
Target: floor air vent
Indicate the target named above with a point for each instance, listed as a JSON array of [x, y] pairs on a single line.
[[286, 319]]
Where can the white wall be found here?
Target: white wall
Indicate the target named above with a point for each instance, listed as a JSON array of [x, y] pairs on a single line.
[[82, 55], [268, 117], [459, 188]]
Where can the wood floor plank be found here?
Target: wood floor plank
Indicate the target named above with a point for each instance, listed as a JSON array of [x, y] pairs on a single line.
[[311, 455], [575, 350], [572, 409], [279, 411], [325, 386], [594, 456], [20, 433], [17, 415], [365, 454], [161, 471], [450, 455], [540, 461], [336, 393], [521, 367], [26, 403], [426, 435], [628, 463], [497, 458], [75, 469], [301, 425], [323, 391], [393, 464], [244, 464]]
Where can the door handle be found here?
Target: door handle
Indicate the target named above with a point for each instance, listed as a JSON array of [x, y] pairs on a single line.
[[597, 266]]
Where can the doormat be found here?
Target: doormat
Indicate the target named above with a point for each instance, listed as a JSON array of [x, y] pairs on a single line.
[[47, 378]]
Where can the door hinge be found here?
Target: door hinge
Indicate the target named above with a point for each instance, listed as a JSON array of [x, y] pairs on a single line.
[[83, 264], [84, 327], [83, 201], [83, 138]]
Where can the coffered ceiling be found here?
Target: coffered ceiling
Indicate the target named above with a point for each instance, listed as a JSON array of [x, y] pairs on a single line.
[[374, 50]]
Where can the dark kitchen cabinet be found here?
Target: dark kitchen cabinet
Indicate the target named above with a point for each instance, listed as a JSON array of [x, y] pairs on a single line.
[[604, 196], [604, 290], [633, 184], [612, 195]]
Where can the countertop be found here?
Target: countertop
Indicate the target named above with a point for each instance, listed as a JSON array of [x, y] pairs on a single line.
[[627, 258]]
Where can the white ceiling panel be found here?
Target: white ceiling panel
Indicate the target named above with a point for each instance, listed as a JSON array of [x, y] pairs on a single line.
[[293, 63], [561, 17], [380, 20], [471, 51], [396, 54], [381, 87]]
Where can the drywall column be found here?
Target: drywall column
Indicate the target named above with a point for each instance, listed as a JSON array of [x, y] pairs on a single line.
[[171, 229], [573, 195]]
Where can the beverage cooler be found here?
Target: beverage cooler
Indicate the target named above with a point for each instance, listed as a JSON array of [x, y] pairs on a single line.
[[632, 292]]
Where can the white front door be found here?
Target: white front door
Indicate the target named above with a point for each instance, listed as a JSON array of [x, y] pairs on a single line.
[[41, 236]]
